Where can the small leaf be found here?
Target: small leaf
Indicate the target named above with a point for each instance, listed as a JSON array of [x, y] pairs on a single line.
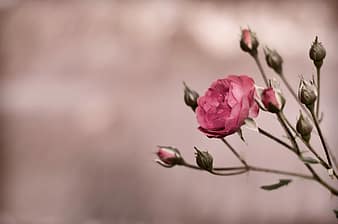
[[282, 182], [309, 160], [251, 124], [336, 213]]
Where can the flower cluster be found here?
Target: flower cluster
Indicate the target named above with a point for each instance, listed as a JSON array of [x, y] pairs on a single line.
[[233, 102]]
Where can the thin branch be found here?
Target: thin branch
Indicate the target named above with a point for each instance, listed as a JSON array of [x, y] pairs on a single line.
[[321, 137], [267, 134], [234, 152]]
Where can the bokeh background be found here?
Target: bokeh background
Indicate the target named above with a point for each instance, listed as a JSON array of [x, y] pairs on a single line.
[[89, 88]]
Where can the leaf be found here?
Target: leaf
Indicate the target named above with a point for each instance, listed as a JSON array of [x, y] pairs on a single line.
[[336, 213], [251, 124], [309, 160], [282, 182]]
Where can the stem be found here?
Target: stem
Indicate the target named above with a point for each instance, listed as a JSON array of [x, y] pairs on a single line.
[[234, 152], [318, 88], [244, 169], [267, 134], [261, 69], [259, 169], [229, 174], [293, 93], [319, 180], [281, 119], [321, 137]]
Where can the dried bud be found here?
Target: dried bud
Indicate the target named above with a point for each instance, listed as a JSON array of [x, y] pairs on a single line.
[[307, 93], [317, 53], [168, 156], [304, 127], [249, 42], [190, 97], [204, 160], [274, 60]]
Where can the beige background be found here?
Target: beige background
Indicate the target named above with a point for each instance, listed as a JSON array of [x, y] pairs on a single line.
[[89, 88]]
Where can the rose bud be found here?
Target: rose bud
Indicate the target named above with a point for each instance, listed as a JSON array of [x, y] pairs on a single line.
[[317, 53], [190, 97], [226, 105], [274, 60], [204, 160], [272, 100], [307, 93], [249, 42], [304, 127], [168, 156]]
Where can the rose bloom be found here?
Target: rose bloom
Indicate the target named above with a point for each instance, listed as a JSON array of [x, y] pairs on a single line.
[[225, 106]]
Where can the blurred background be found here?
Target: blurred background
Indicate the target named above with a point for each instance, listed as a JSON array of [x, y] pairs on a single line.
[[89, 88]]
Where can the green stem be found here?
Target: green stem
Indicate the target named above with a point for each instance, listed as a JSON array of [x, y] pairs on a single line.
[[281, 119], [234, 152], [259, 169], [267, 134], [318, 88], [244, 169], [321, 137], [260, 67]]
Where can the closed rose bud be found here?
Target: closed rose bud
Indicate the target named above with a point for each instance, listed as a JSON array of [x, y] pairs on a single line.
[[249, 42], [274, 60], [307, 93], [204, 160], [304, 127], [168, 156], [317, 53], [272, 100], [190, 97]]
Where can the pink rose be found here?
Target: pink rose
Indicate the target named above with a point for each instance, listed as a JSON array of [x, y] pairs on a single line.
[[272, 100], [225, 106], [168, 156]]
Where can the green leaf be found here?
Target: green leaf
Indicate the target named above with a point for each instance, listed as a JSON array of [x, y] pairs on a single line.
[[309, 160], [336, 213], [281, 183]]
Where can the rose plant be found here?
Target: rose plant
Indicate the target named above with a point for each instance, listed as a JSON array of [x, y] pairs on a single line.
[[233, 101]]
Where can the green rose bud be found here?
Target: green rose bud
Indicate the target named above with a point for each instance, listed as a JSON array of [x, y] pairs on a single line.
[[190, 97], [204, 160]]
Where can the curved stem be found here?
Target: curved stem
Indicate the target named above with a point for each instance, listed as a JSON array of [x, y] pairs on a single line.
[[260, 169], [321, 137], [234, 152], [318, 88], [267, 134], [229, 174], [243, 169]]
